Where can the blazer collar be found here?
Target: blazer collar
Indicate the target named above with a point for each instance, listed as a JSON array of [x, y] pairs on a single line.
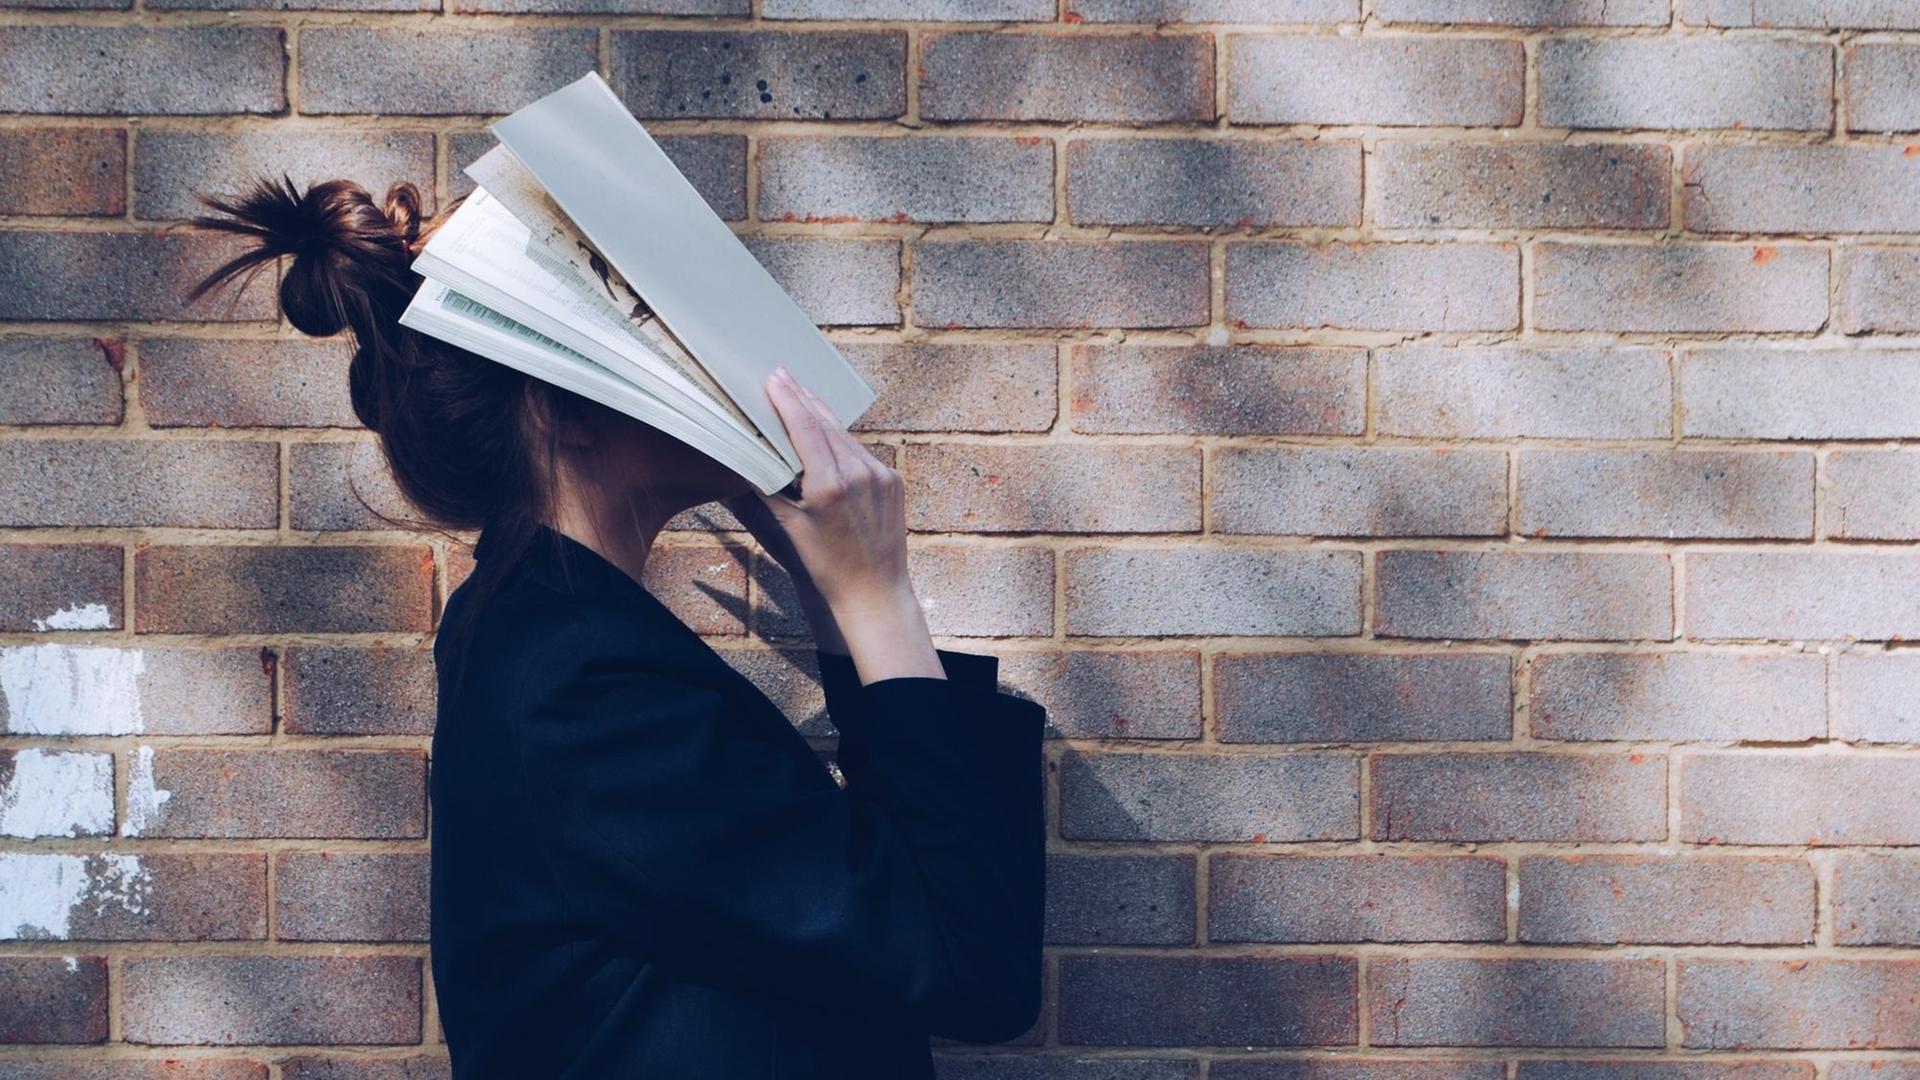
[[566, 565]]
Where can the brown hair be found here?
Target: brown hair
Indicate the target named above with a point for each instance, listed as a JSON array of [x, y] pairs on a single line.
[[460, 433]]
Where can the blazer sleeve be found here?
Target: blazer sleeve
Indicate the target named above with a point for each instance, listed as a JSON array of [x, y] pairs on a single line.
[[847, 705], [732, 859]]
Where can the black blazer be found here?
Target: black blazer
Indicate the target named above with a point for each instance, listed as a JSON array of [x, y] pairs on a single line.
[[641, 869]]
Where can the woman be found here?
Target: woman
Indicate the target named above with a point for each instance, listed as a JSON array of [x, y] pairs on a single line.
[[640, 869]]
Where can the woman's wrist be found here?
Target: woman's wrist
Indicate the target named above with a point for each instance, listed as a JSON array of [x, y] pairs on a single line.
[[886, 633]]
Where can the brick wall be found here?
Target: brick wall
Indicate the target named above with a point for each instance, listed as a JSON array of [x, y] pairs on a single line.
[[1440, 461]]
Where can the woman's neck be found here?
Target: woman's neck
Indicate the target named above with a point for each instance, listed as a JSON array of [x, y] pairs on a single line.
[[620, 530]]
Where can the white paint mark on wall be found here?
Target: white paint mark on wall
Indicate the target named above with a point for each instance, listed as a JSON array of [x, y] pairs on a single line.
[[41, 893], [73, 963], [144, 800], [77, 617], [71, 690], [57, 793]]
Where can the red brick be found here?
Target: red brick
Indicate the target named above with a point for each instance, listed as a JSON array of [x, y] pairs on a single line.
[[140, 482], [1666, 494], [141, 897], [1152, 592], [1455, 185], [60, 586], [350, 896], [134, 276], [1362, 697], [1355, 898], [312, 1067], [1229, 182], [349, 69], [273, 590], [1610, 900], [1517, 1002], [1244, 1001], [1635, 696], [103, 70], [1110, 693], [1350, 491], [1876, 899], [1680, 288], [704, 584], [1043, 283], [1143, 78], [1120, 900], [1236, 390], [1483, 798], [1881, 87], [370, 794], [382, 690], [1323, 79], [924, 386], [1777, 594], [68, 1067], [294, 382], [1153, 797], [841, 75], [1792, 798], [1806, 1003], [52, 999], [60, 381], [78, 171], [1058, 488], [1367, 286], [1524, 595], [289, 1000]]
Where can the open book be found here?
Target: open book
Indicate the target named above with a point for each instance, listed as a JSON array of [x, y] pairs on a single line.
[[584, 258]]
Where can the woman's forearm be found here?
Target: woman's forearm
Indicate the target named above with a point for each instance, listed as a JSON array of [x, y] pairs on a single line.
[[886, 634]]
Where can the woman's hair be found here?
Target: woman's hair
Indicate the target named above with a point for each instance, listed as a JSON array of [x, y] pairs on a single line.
[[460, 433]]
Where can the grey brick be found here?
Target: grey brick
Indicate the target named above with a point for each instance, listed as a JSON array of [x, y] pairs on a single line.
[[52, 586], [292, 5], [1879, 290], [1869, 495], [1112, 795], [1666, 493], [348, 690], [1351, 491], [1645, 1069], [1359, 898], [63, 171], [1060, 488], [926, 386], [149, 896], [290, 382], [1030, 1066], [1811, 14], [1498, 797], [738, 8], [1686, 82], [180, 1000], [1243, 1001], [1799, 1003], [840, 282], [1515, 595], [1325, 79], [1795, 798], [1775, 594], [282, 792], [1525, 12], [1882, 87], [927, 178], [1228, 11], [279, 589], [1162, 181], [965, 591], [1111, 694], [1801, 189], [923, 10], [1521, 185], [1611, 899], [1879, 698], [1370, 286], [350, 69], [1345, 1067], [340, 485], [1780, 394], [1173, 591], [1679, 288], [1663, 696], [129, 276], [1120, 899], [1621, 392], [115, 70], [1227, 390], [171, 166], [1363, 697], [350, 896], [760, 74], [1560, 1001], [1044, 283], [1142, 78], [60, 381], [1876, 899], [137, 482]]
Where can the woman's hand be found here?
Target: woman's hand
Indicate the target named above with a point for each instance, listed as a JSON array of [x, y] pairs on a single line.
[[847, 535]]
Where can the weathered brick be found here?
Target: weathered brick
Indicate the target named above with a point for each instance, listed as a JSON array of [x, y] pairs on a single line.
[[931, 178], [965, 591], [1874, 1070], [1162, 181], [704, 584], [927, 10], [1812, 1003], [288, 1000], [1882, 87], [1349, 491], [1208, 1001], [1367, 286], [1056, 488], [1576, 596], [1173, 591], [739, 8], [67, 1067], [1811, 14], [1678, 696], [1666, 493], [349, 69], [1232, 11], [1042, 283], [170, 167], [1792, 798], [1555, 185], [1867, 495], [53, 999], [55, 793], [59, 689], [1480, 798], [371, 794], [1802, 189], [1345, 1067], [60, 381], [129, 276], [1615, 899], [1363, 697], [1876, 899], [1620, 392], [123, 482], [1771, 594], [134, 897], [273, 590], [1209, 797], [338, 486], [63, 170], [1879, 289], [313, 1067], [1030, 1066], [1879, 697], [1517, 1002], [290, 382], [790, 678], [1120, 899], [343, 690], [1678, 288], [760, 74], [925, 386], [1323, 79], [1686, 82], [1355, 898], [115, 70], [350, 896], [1142, 78], [716, 166], [1525, 12], [60, 587], [1647, 1069], [1111, 694], [1227, 390], [1757, 393], [838, 282]]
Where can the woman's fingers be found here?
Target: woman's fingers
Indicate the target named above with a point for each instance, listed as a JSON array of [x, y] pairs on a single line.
[[805, 426], [849, 451]]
